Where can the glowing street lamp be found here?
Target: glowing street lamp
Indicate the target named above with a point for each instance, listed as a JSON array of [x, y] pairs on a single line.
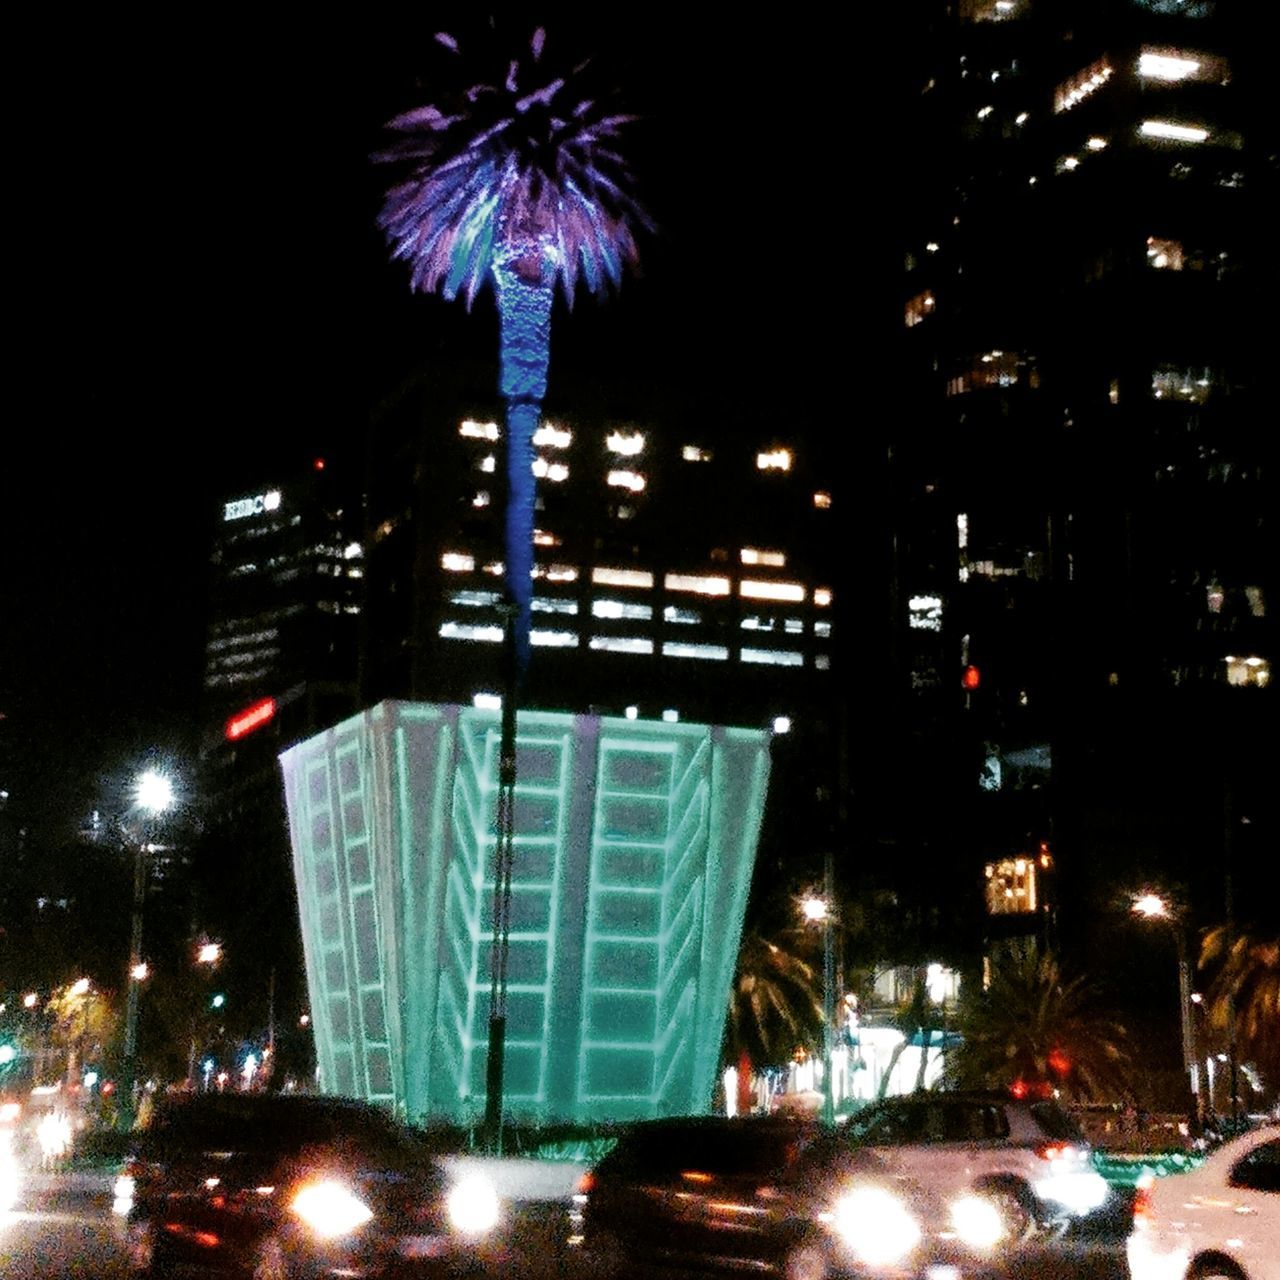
[[1152, 906], [819, 911], [153, 794], [209, 953]]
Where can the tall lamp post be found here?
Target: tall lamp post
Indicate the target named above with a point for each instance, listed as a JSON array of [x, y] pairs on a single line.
[[821, 911], [153, 795], [1151, 906]]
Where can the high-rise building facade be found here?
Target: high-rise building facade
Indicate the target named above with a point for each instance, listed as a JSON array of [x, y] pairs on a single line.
[[1086, 549]]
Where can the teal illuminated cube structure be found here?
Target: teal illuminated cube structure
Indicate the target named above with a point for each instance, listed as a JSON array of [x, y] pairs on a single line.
[[634, 846]]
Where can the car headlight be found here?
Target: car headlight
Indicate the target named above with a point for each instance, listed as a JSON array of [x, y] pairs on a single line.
[[977, 1221], [123, 1191], [330, 1209], [1079, 1193], [472, 1206], [876, 1225]]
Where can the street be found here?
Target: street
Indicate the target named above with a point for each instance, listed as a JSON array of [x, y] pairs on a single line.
[[62, 1229]]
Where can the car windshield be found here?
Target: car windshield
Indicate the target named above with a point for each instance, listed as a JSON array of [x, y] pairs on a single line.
[[1055, 1123], [280, 1126], [728, 1150]]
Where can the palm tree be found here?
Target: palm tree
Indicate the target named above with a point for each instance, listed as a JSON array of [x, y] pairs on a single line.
[[1033, 1024], [918, 1014], [1246, 968], [515, 182], [776, 1002]]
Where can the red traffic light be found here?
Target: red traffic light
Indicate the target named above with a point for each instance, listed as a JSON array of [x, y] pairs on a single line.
[[972, 677]]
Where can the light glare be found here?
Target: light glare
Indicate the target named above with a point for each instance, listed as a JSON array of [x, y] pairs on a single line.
[[330, 1210]]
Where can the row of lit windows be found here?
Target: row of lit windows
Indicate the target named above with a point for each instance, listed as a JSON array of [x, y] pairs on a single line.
[[488, 633], [624, 444], [1168, 66], [624, 610], [693, 584]]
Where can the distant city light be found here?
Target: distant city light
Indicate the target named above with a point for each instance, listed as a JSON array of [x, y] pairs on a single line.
[[1151, 905], [822, 500], [670, 716], [632, 712], [479, 430], [548, 436], [1096, 144], [774, 460], [695, 453], [139, 972], [814, 910], [631, 480], [782, 724], [209, 953], [627, 444], [154, 792], [487, 702], [30, 1000]]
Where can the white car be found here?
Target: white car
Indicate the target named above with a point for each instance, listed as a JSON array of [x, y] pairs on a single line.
[[1221, 1220]]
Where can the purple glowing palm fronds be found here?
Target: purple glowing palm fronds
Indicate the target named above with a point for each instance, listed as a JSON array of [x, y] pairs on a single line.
[[523, 171]]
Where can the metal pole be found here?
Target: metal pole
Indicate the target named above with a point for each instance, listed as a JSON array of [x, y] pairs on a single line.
[[503, 856], [828, 992], [127, 1109], [1190, 1063]]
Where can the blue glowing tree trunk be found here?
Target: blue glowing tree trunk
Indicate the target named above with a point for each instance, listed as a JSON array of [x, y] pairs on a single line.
[[524, 306]]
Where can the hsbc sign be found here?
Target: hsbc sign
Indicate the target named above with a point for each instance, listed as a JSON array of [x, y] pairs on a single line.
[[254, 506]]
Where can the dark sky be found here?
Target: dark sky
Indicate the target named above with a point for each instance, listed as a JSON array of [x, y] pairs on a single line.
[[199, 297]]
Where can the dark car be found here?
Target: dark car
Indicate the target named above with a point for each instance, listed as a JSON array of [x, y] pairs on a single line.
[[769, 1195], [290, 1187]]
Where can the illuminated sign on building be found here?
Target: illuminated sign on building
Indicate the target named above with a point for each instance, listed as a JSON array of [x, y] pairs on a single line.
[[249, 719], [255, 506]]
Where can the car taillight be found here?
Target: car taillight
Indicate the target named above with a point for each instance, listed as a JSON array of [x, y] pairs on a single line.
[[1058, 1151], [1142, 1203]]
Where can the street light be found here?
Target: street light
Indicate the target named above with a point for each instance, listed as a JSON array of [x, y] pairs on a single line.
[[821, 911], [153, 795], [1152, 906]]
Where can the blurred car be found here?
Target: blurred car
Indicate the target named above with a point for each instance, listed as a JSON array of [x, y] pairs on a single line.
[[1026, 1155], [771, 1195], [290, 1187], [1220, 1220]]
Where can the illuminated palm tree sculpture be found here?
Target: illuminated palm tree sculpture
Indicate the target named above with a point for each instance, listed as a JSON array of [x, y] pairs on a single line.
[[515, 182]]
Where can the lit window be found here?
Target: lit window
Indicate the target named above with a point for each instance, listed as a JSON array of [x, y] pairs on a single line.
[[822, 596], [554, 639], [759, 622], [476, 599], [545, 604], [1172, 65], [352, 551], [561, 573], [794, 626], [621, 609], [678, 649], [1011, 887], [822, 629], [541, 538], [774, 657], [488, 464], [1164, 255], [1096, 144], [495, 567], [457, 562], [1190, 386], [622, 578], [754, 555], [782, 724], [479, 430], [673, 613], [551, 437], [774, 460], [984, 112], [695, 453], [487, 702], [626, 444], [994, 369], [822, 662], [1113, 391], [1067, 163], [925, 613], [540, 467], [355, 573], [670, 717], [962, 529], [622, 644], [1172, 131], [822, 500], [1257, 601], [918, 308], [1081, 85], [481, 499], [1215, 597], [1248, 671], [698, 585], [350, 608], [757, 589], [384, 530], [632, 480], [557, 472], [632, 712], [470, 631]]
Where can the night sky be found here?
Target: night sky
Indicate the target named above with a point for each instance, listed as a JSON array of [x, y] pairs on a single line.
[[199, 298]]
